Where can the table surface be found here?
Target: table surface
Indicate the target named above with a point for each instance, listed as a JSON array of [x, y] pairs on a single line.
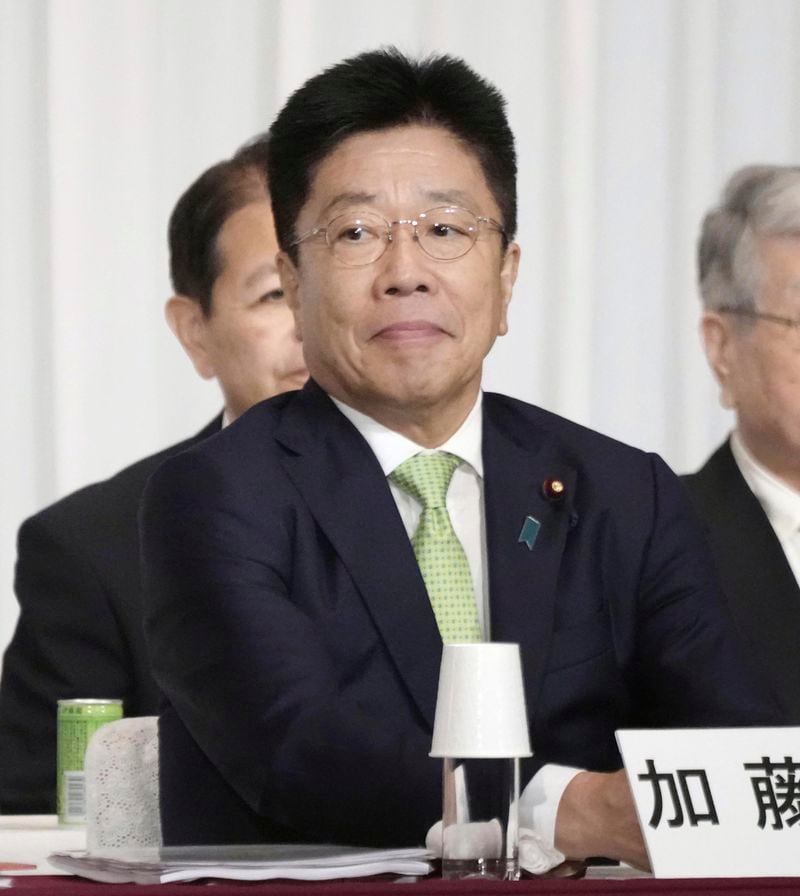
[[30, 839], [73, 886]]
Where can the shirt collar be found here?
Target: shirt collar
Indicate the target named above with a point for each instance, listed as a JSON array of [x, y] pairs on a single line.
[[391, 448], [780, 501]]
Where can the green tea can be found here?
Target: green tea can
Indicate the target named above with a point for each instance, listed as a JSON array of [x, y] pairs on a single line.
[[77, 722]]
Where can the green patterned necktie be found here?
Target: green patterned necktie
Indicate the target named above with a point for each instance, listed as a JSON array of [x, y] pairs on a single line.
[[441, 558]]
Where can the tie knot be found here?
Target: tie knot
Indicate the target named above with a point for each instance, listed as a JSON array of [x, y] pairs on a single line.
[[426, 477]]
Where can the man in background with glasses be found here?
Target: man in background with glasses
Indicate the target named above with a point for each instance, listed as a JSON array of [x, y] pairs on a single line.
[[304, 567], [749, 491]]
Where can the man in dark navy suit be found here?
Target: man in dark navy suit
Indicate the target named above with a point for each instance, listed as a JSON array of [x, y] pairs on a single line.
[[295, 609], [79, 632], [748, 492]]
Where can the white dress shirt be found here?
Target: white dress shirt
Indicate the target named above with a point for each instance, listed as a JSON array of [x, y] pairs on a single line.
[[465, 504], [780, 501], [464, 495]]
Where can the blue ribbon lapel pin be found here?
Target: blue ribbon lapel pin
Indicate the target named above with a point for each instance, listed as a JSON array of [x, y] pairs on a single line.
[[529, 531]]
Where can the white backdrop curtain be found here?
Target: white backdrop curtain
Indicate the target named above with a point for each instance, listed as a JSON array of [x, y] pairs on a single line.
[[629, 115]]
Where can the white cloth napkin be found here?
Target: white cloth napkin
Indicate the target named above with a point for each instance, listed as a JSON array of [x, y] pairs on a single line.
[[485, 839]]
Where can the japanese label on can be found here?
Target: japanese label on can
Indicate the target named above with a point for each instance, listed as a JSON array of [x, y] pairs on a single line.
[[77, 722]]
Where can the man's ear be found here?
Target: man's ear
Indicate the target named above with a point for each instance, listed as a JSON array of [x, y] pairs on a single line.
[[188, 322], [719, 341], [290, 284], [508, 277]]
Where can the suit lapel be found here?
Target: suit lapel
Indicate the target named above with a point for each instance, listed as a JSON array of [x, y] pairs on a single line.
[[761, 589], [343, 485], [522, 580]]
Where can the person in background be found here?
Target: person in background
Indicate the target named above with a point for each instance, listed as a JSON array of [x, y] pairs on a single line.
[[303, 569], [748, 492], [79, 632]]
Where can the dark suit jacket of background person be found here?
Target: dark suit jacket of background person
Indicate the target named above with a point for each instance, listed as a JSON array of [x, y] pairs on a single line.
[[79, 632], [758, 583], [291, 632]]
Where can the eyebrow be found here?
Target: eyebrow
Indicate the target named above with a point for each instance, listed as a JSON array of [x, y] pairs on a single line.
[[268, 268], [348, 197], [451, 197], [356, 197]]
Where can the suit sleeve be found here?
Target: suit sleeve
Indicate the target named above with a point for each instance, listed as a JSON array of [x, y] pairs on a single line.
[[654, 647], [245, 664], [65, 644]]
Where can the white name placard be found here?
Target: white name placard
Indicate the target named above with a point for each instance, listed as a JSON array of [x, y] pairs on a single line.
[[717, 802]]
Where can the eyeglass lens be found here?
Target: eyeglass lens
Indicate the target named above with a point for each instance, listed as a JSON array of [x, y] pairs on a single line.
[[443, 233]]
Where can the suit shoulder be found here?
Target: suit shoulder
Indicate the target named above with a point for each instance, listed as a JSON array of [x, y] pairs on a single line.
[[584, 445], [715, 477], [249, 435], [115, 498], [720, 494], [234, 458]]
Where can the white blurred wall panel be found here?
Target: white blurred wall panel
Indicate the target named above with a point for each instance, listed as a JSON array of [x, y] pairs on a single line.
[[629, 116], [27, 460]]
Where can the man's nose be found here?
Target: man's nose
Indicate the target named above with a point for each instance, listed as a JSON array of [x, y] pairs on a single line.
[[405, 268]]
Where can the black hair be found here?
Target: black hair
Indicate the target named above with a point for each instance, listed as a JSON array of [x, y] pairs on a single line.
[[201, 212], [382, 89]]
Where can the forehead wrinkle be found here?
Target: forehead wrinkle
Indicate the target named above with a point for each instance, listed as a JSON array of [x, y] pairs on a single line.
[[450, 197]]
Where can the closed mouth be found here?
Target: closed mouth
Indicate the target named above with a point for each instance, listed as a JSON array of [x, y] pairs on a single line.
[[410, 329]]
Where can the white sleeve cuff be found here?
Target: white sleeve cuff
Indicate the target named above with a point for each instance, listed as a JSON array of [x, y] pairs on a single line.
[[538, 803]]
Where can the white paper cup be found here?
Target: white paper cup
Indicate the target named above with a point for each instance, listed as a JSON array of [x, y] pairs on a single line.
[[480, 707]]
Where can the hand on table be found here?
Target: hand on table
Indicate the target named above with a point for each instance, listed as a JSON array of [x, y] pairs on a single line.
[[597, 817]]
